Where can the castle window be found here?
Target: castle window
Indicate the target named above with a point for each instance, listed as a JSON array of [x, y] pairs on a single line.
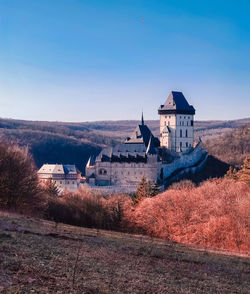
[[187, 123], [180, 133], [180, 116], [102, 171], [192, 122], [165, 123], [180, 144], [186, 133], [168, 123], [186, 144], [169, 116]]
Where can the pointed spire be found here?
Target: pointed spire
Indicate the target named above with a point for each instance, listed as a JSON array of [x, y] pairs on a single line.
[[88, 163], [151, 147], [142, 119]]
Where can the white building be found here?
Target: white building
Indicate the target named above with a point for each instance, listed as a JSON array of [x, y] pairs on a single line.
[[65, 176], [142, 154], [176, 123]]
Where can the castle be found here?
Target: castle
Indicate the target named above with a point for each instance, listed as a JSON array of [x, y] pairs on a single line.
[[143, 154]]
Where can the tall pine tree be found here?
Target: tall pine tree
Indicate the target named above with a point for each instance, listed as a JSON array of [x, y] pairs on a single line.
[[144, 189], [155, 189]]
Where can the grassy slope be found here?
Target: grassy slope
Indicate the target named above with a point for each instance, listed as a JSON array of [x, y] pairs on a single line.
[[41, 257]]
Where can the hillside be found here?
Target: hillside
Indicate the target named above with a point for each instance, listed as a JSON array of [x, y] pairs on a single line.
[[39, 256], [54, 142], [232, 147], [204, 129]]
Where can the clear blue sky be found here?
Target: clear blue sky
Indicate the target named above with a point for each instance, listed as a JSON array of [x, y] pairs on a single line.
[[83, 60]]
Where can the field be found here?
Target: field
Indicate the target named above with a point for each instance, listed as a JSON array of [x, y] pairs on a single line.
[[39, 256]]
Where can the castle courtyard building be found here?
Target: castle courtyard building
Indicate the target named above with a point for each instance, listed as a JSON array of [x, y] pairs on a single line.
[[64, 176]]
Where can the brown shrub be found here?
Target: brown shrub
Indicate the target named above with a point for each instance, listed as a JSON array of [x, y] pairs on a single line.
[[214, 214], [185, 184], [84, 208], [19, 187]]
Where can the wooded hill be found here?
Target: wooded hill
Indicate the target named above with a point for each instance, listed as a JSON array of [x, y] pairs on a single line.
[[61, 142]]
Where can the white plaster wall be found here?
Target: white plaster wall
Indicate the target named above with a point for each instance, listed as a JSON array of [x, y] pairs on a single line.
[[183, 122], [60, 181], [176, 123], [184, 161], [89, 171], [128, 173], [167, 120]]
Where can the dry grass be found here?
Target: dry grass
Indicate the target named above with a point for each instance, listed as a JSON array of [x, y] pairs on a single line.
[[39, 256]]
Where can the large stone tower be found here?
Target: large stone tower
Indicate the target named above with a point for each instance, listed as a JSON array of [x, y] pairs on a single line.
[[176, 123]]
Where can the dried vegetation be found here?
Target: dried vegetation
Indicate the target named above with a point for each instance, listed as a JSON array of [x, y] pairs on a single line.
[[45, 257]]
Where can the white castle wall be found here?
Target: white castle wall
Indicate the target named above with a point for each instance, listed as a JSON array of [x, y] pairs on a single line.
[[61, 183], [124, 174], [186, 160]]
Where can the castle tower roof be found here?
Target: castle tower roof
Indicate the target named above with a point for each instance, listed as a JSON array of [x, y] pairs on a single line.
[[176, 103]]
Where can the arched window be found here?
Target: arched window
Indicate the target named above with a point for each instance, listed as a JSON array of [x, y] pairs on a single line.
[[180, 133], [102, 171]]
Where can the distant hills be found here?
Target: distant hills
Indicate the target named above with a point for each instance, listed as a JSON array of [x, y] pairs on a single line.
[[54, 142]]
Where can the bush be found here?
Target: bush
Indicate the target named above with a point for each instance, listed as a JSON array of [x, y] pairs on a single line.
[[19, 186], [185, 184], [215, 214], [84, 208]]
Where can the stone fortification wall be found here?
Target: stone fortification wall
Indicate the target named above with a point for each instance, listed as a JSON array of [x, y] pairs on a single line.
[[185, 161], [183, 173], [107, 190]]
